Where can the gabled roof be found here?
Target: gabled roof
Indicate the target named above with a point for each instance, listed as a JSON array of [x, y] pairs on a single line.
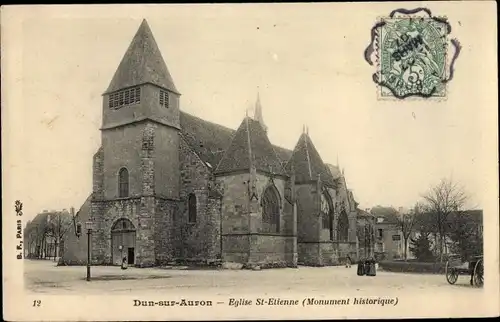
[[84, 211], [249, 147], [210, 140], [283, 154], [207, 139], [307, 163], [141, 64]]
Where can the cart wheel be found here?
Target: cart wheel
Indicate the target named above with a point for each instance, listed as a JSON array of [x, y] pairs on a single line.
[[451, 274], [479, 273]]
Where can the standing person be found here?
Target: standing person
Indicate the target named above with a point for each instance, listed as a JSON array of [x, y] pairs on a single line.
[[124, 262], [472, 265]]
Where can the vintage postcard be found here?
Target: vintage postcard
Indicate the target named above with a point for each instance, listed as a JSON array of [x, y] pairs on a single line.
[[250, 161]]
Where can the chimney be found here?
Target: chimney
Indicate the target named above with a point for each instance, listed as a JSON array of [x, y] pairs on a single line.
[[72, 211]]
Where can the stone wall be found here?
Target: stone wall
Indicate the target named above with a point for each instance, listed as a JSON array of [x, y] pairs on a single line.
[[266, 249], [329, 254], [167, 162], [197, 241], [165, 231], [244, 237], [74, 248], [121, 148], [308, 253], [104, 215], [149, 106], [308, 220], [235, 248]]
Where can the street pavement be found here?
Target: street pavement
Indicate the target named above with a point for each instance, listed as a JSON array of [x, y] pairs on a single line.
[[44, 277]]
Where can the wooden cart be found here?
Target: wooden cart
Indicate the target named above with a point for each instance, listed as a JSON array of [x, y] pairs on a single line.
[[474, 268]]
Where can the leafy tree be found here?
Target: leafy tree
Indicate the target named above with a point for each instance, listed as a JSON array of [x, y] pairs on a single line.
[[465, 235], [420, 247]]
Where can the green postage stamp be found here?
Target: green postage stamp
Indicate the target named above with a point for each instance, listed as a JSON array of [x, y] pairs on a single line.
[[413, 54]]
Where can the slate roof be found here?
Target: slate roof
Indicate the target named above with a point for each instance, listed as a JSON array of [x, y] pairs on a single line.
[[210, 140], [250, 146], [207, 139], [142, 63], [307, 163], [283, 154], [84, 212]]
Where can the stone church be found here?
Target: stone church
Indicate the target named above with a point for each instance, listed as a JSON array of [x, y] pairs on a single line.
[[171, 187]]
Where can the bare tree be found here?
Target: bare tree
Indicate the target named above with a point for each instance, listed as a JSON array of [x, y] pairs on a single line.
[[406, 222], [59, 226], [442, 200]]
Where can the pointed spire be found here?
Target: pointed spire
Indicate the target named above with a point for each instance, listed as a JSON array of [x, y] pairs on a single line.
[[250, 148], [307, 163], [258, 113], [142, 63]]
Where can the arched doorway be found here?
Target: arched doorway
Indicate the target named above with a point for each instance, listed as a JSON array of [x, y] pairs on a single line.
[[123, 241]]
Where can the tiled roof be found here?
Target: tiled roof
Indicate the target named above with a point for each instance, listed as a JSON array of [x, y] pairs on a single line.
[[84, 212], [207, 139], [283, 154], [250, 146], [210, 140], [142, 63], [307, 163]]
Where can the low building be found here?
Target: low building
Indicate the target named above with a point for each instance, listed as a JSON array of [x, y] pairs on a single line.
[[75, 245], [43, 234], [389, 240]]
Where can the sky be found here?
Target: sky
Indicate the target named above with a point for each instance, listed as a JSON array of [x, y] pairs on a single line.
[[305, 60]]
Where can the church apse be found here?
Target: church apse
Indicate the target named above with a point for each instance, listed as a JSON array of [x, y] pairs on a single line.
[[257, 220]]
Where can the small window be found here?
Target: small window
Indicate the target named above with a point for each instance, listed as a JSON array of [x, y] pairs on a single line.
[[164, 99], [78, 229], [192, 208], [380, 233], [123, 183]]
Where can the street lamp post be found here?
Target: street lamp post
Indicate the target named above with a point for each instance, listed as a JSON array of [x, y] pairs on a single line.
[[88, 226]]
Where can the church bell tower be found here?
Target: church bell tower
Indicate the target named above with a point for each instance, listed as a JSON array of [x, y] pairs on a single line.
[[136, 170]]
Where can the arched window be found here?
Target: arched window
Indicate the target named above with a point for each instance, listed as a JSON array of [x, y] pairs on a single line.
[[326, 214], [270, 210], [123, 183], [343, 226], [192, 208], [123, 225]]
